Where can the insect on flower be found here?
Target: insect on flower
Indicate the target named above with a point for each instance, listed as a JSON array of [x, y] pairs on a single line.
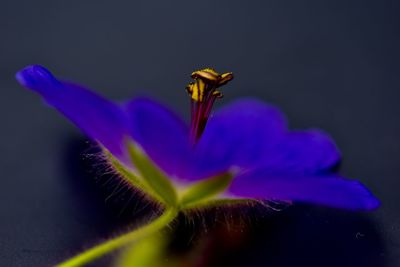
[[242, 151]]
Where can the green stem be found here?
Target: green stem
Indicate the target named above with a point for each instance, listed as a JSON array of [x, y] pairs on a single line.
[[100, 250]]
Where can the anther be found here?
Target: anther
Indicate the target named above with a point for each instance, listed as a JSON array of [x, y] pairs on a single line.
[[203, 92]]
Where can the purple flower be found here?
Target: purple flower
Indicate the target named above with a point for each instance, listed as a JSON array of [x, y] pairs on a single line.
[[247, 139]]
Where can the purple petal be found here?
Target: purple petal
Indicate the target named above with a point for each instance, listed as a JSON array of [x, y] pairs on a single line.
[[250, 133], [309, 151], [162, 134], [240, 134], [99, 118], [330, 190]]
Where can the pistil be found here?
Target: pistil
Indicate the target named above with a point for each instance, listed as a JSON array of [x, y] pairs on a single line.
[[203, 93]]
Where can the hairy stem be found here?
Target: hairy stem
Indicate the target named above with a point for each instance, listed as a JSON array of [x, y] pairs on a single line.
[[110, 245]]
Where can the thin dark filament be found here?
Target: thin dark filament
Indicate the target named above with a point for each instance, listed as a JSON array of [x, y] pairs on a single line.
[[200, 112], [196, 119]]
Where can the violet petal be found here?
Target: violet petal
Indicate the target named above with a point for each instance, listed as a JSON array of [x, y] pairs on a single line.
[[100, 119], [307, 152], [238, 134], [162, 135], [251, 133], [329, 190]]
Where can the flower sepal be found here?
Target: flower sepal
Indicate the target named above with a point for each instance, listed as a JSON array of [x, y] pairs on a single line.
[[198, 194], [155, 180], [154, 183]]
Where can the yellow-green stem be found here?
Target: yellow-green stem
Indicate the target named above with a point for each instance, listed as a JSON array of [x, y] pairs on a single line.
[[100, 250]]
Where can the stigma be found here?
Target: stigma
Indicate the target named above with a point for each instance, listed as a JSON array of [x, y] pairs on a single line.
[[203, 93]]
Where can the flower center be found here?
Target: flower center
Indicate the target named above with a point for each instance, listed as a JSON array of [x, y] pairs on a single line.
[[203, 92]]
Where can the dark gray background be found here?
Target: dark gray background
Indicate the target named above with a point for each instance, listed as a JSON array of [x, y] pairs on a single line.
[[327, 64]]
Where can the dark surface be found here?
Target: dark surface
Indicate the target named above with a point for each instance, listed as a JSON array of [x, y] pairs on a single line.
[[327, 64]]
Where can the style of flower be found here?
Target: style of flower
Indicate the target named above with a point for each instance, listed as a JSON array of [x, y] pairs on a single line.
[[240, 152]]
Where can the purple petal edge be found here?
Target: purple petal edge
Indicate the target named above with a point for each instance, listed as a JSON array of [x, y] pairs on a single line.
[[329, 190], [100, 119]]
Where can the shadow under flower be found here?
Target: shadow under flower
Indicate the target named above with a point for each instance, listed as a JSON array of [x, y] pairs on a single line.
[[299, 235], [99, 204]]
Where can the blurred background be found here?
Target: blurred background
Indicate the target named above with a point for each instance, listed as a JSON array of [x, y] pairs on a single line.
[[328, 64]]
